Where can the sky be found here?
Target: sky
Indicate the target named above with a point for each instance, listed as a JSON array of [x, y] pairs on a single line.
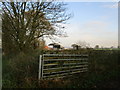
[[93, 22]]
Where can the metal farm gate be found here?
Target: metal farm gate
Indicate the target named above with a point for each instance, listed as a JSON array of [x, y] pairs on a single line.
[[60, 65]]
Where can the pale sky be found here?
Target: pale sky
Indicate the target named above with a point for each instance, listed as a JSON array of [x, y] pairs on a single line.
[[93, 22]]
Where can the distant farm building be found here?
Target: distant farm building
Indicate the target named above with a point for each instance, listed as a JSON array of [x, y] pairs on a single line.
[[76, 47], [56, 46]]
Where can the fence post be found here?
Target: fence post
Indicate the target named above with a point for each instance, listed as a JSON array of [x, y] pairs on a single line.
[[40, 67]]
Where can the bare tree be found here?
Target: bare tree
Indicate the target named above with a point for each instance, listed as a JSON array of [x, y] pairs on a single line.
[[83, 44], [97, 46], [75, 46], [80, 44], [24, 22]]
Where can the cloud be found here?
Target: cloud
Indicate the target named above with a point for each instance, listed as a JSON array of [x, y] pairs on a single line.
[[115, 5]]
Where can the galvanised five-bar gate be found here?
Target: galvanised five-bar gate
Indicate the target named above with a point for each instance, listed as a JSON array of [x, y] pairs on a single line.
[[60, 65]]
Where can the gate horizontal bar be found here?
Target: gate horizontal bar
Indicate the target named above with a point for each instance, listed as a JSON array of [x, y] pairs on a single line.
[[65, 59], [65, 67], [64, 55], [55, 64], [66, 71], [63, 74]]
